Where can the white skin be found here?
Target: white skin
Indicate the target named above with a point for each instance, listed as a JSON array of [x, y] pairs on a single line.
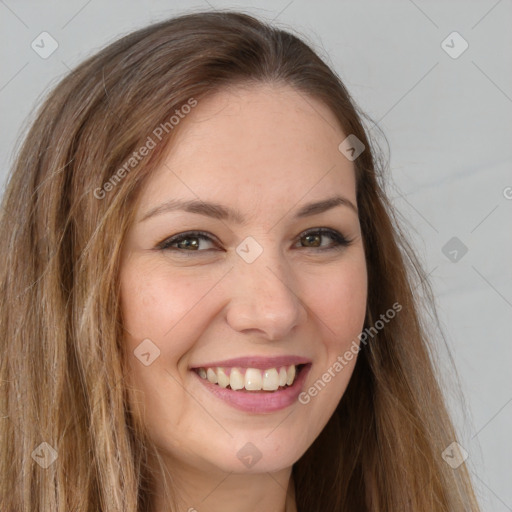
[[265, 151]]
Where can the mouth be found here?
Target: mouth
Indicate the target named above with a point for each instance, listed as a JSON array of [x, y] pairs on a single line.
[[252, 380], [255, 385]]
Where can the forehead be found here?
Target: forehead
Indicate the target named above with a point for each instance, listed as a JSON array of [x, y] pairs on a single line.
[[259, 145]]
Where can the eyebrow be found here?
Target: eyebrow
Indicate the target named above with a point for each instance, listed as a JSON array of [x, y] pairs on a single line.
[[221, 212]]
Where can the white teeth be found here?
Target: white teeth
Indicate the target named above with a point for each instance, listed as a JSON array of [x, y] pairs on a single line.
[[251, 379], [283, 376], [236, 379], [223, 379], [211, 376], [270, 380], [291, 375]]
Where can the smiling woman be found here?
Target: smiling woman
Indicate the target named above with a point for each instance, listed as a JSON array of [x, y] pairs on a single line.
[[232, 324]]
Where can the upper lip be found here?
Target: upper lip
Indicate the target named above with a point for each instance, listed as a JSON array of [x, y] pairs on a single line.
[[261, 363]]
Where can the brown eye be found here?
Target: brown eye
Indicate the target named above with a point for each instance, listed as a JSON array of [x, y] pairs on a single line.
[[185, 242], [314, 237]]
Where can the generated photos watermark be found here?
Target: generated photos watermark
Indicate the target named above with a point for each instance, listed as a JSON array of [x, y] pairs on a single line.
[[137, 156], [343, 360]]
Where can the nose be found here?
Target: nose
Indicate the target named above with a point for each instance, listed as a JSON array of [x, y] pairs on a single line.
[[263, 302]]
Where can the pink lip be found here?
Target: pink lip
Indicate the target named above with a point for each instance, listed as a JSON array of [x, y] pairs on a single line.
[[262, 363], [259, 401]]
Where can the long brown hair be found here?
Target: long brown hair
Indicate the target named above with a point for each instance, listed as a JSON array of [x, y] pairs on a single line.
[[65, 213]]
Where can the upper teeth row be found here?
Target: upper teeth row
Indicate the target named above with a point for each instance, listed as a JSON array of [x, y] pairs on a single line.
[[253, 379]]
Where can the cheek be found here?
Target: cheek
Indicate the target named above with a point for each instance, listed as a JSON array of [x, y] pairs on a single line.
[[338, 298], [339, 305], [159, 305]]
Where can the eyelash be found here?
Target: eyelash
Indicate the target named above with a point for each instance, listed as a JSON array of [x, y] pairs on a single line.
[[340, 240]]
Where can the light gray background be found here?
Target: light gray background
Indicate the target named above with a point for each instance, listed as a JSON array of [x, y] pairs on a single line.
[[449, 125]]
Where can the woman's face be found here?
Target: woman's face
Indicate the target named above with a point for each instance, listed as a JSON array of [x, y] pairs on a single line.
[[258, 296]]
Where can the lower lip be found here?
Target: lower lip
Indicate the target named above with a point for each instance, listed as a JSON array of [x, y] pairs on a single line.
[[259, 402]]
